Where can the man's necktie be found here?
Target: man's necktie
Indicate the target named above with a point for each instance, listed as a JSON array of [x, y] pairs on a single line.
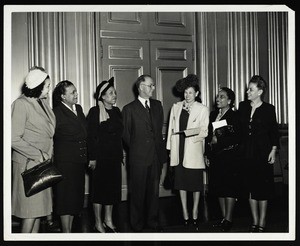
[[147, 106]]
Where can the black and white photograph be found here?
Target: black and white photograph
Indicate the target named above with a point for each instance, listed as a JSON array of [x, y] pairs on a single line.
[[147, 122]]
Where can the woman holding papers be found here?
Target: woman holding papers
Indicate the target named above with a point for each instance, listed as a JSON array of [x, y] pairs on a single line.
[[259, 145], [188, 126], [221, 151]]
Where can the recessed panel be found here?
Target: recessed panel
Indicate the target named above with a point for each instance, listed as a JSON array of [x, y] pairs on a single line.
[[166, 87], [177, 23], [124, 17], [125, 52], [171, 54], [125, 77], [170, 19], [125, 22]]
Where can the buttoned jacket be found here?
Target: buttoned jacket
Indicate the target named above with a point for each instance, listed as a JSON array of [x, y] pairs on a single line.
[[143, 132], [70, 135]]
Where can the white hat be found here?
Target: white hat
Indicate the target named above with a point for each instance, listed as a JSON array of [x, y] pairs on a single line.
[[34, 78]]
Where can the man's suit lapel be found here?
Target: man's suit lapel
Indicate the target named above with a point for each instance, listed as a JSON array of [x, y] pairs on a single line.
[[142, 111]]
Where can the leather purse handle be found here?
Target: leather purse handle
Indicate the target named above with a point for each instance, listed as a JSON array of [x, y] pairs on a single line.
[[29, 159]]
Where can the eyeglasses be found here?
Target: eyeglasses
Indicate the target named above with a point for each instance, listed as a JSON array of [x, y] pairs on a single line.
[[150, 86]]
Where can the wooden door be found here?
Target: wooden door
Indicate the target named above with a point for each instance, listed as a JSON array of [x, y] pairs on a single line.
[[170, 61], [132, 48], [125, 60]]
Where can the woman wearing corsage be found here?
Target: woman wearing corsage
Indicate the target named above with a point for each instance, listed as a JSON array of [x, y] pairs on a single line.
[[221, 151], [187, 129]]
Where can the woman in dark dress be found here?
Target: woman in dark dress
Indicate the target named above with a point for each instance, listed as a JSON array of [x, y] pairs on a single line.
[[187, 129], [105, 152], [221, 150], [70, 153], [260, 141]]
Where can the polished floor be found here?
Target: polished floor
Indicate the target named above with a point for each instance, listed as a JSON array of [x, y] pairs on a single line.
[[170, 216]]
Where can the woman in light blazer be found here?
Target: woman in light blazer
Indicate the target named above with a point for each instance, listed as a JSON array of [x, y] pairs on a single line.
[[188, 126], [33, 124]]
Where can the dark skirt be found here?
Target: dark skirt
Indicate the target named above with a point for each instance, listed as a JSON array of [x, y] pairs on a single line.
[[258, 174], [225, 175], [188, 179], [69, 193], [258, 179], [106, 182]]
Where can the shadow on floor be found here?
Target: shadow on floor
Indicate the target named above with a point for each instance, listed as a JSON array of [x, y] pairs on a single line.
[[170, 216]]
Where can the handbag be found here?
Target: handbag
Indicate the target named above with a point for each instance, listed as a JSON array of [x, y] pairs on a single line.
[[224, 131], [40, 177]]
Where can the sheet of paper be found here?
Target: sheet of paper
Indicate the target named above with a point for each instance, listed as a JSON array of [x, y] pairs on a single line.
[[218, 124]]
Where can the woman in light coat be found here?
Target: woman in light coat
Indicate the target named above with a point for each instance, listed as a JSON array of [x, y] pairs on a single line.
[[33, 124], [188, 126]]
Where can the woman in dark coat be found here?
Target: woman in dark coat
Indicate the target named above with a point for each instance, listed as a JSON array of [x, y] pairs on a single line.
[[105, 152], [70, 153], [259, 144], [221, 151]]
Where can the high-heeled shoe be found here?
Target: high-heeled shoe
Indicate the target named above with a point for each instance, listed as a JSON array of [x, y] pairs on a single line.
[[260, 229], [186, 222], [109, 229], [253, 228], [96, 230], [218, 224], [226, 225], [195, 223]]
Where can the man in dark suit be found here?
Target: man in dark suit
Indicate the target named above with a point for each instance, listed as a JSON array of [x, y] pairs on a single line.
[[143, 122]]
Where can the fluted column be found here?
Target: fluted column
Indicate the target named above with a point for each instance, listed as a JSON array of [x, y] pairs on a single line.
[[64, 44], [231, 48], [277, 55]]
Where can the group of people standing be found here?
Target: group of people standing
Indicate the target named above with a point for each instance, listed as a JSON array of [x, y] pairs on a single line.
[[237, 147]]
